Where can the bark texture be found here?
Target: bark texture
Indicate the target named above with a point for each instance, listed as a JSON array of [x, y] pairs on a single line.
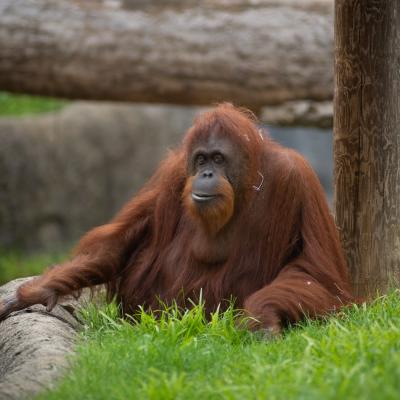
[[34, 346], [250, 52], [367, 140]]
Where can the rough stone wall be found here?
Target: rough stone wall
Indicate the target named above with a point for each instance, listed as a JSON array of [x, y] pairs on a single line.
[[63, 173]]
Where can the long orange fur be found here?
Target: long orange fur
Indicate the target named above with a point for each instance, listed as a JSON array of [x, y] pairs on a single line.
[[276, 250]]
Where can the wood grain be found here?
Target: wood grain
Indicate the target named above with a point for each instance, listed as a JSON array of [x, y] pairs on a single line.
[[367, 140]]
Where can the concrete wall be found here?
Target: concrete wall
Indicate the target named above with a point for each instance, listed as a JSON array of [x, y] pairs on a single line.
[[63, 173]]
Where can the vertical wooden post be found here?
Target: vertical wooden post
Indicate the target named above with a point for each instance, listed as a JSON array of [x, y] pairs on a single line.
[[367, 140]]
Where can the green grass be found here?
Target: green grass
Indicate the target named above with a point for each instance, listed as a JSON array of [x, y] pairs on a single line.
[[17, 105], [353, 355], [14, 264]]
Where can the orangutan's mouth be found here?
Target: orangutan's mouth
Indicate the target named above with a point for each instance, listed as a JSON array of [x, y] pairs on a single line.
[[202, 197]]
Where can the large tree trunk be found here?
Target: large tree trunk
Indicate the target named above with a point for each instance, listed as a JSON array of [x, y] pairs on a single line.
[[250, 52], [367, 141]]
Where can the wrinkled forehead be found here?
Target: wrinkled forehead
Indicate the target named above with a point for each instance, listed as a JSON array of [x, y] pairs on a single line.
[[215, 140]]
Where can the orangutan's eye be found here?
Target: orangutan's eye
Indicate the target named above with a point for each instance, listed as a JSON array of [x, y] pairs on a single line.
[[200, 159], [218, 158]]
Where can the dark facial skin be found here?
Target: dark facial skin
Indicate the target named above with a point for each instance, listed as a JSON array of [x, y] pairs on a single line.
[[210, 162]]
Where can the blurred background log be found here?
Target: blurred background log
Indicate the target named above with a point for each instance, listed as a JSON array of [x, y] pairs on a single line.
[[253, 53]]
